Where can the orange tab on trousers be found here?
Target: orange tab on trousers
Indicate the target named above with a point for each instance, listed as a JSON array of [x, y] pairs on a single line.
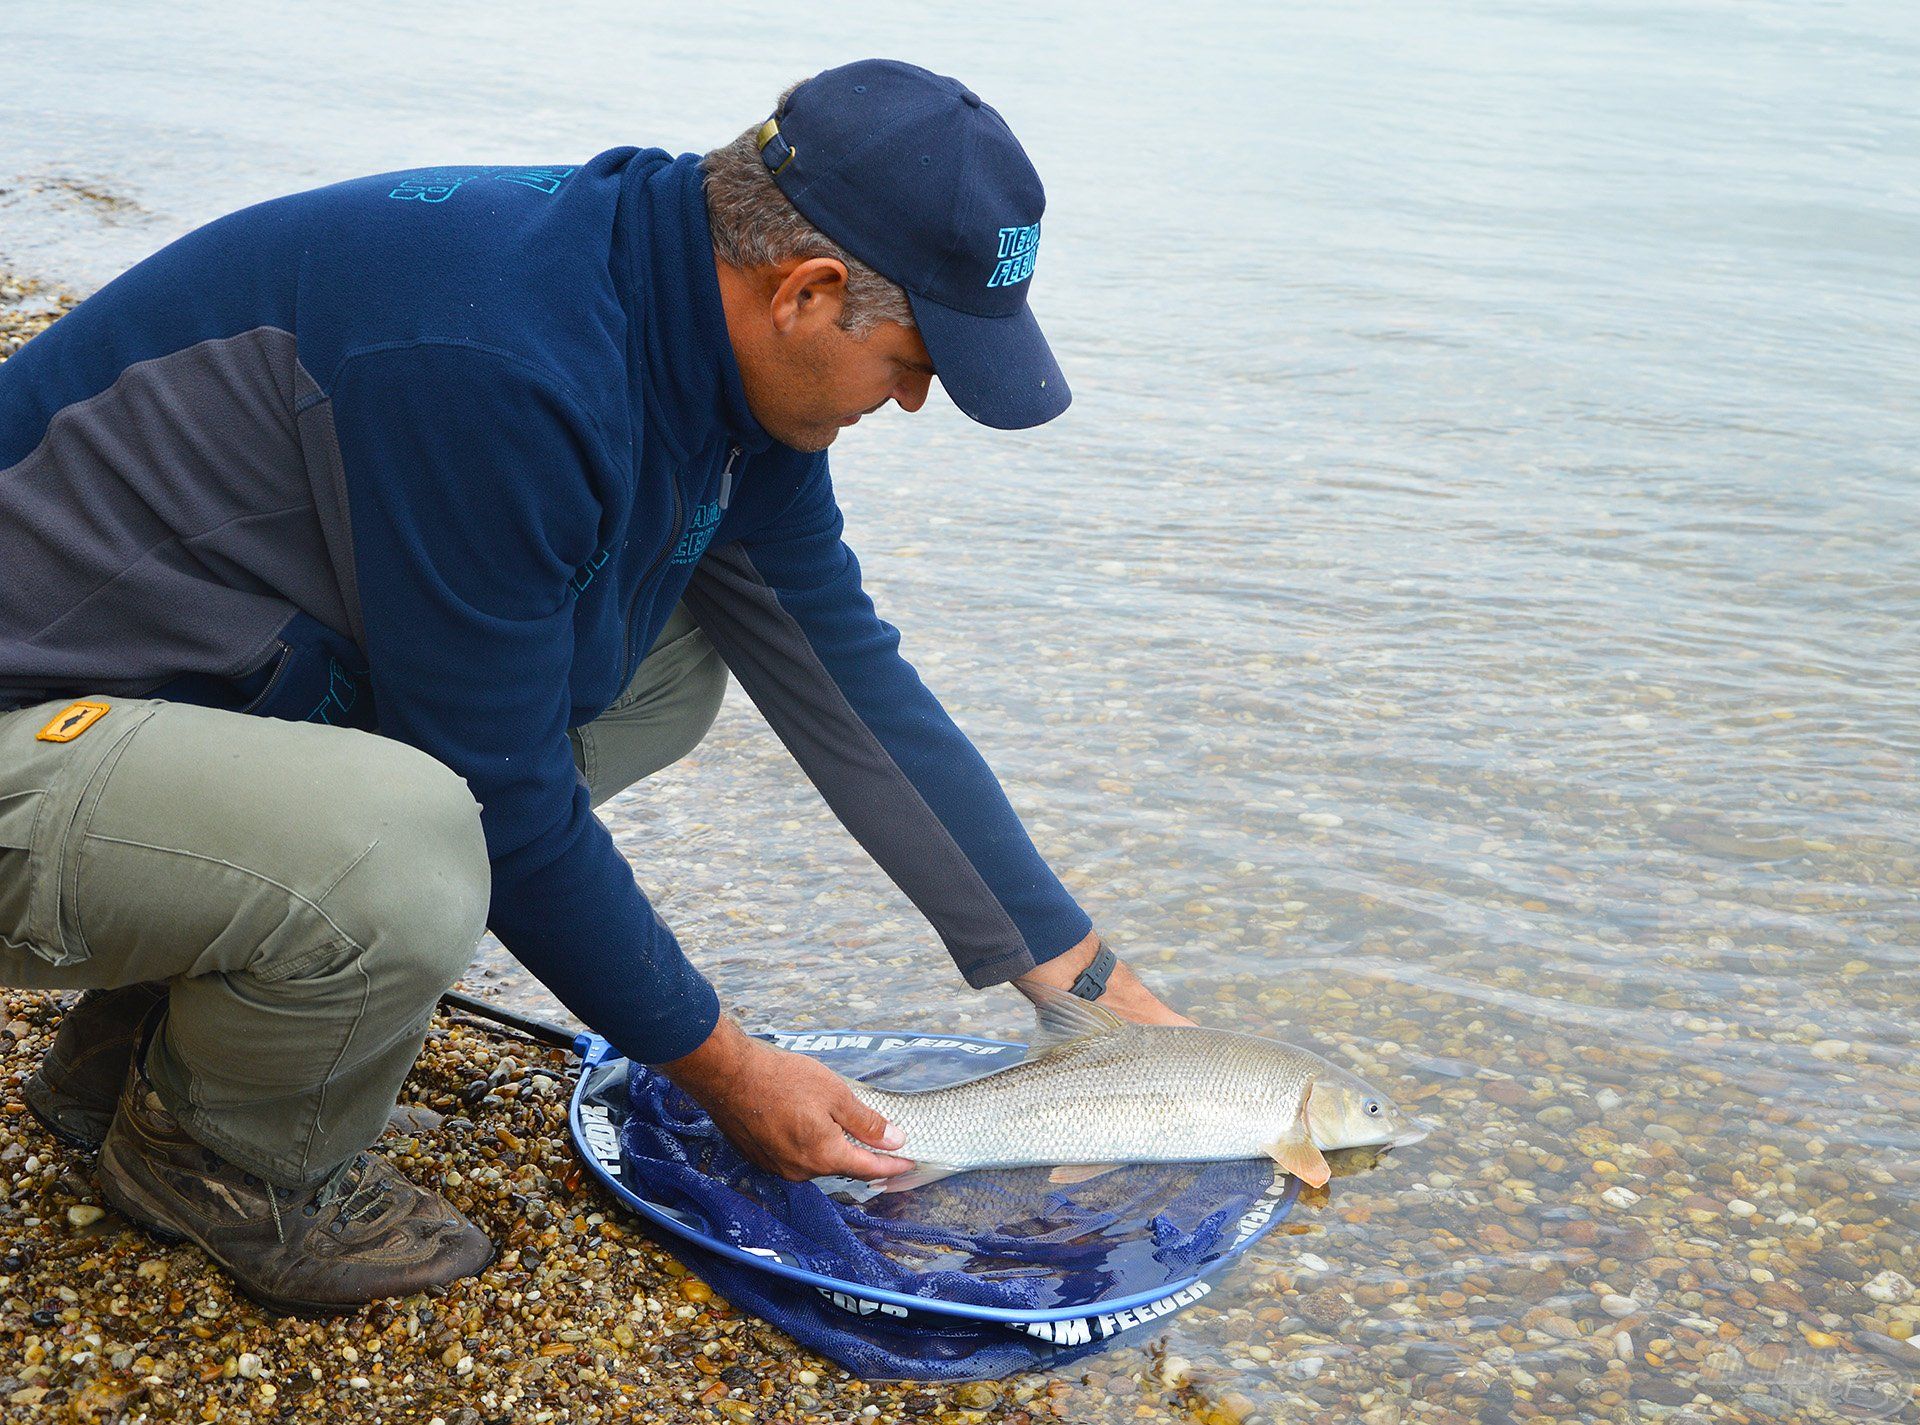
[[72, 722]]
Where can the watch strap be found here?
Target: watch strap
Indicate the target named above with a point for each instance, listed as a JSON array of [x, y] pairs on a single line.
[[1093, 980]]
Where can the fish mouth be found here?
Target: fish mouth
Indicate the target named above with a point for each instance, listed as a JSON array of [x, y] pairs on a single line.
[[1416, 1130]]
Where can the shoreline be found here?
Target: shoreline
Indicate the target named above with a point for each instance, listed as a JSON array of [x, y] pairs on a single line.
[[28, 307]]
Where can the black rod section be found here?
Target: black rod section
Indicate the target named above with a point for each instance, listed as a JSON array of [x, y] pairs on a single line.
[[520, 1023]]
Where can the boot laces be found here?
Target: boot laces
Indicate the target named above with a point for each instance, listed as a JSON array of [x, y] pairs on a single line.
[[361, 1194]]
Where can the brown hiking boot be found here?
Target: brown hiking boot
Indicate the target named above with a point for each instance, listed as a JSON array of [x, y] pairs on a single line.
[[77, 1085], [366, 1232]]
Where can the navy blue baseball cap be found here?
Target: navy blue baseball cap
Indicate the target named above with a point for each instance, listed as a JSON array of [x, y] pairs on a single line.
[[911, 173]]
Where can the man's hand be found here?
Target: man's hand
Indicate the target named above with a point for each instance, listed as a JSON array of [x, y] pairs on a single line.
[[785, 1112], [1125, 995]]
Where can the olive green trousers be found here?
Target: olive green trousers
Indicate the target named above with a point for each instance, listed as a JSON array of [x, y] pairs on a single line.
[[307, 892]]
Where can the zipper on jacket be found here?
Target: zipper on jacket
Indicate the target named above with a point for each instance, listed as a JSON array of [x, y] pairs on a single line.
[[673, 540], [633, 604], [259, 699]]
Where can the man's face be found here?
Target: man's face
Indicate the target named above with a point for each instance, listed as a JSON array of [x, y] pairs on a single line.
[[807, 378]]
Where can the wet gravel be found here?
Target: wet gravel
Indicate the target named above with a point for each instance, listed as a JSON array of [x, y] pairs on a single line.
[[1583, 1271], [580, 1318]]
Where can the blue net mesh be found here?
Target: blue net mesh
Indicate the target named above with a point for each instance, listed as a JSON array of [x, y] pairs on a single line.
[[994, 1244]]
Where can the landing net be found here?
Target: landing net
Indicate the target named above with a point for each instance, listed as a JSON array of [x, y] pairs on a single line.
[[972, 1277]]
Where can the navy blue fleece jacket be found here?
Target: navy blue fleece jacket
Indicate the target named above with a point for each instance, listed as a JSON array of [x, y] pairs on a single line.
[[435, 454]]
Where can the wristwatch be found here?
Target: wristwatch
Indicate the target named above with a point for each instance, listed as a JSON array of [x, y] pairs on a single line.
[[1093, 980]]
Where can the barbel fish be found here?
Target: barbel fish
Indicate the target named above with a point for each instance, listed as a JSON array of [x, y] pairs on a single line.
[[1095, 1091]]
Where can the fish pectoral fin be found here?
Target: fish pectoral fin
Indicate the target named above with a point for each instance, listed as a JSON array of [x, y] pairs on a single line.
[[1063, 1018], [918, 1176], [1299, 1157], [1296, 1151], [1068, 1173]]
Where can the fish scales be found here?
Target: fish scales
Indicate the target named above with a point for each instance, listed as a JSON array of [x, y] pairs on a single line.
[[1135, 1093]]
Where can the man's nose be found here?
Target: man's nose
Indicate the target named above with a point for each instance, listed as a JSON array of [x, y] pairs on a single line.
[[911, 393]]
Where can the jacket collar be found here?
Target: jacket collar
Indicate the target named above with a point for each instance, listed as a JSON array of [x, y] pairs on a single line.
[[685, 379]]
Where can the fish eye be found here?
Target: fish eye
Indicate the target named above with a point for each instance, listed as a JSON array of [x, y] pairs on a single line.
[[1373, 1105]]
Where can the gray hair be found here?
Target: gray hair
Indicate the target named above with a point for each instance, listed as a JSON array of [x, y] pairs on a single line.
[[754, 226]]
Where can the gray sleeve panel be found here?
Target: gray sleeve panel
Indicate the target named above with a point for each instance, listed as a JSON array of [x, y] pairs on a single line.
[[313, 413], [170, 524], [875, 800]]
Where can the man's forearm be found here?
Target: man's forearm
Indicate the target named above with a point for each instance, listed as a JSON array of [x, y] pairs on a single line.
[[714, 1063]]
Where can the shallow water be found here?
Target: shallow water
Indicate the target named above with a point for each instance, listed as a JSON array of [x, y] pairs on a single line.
[[1466, 622]]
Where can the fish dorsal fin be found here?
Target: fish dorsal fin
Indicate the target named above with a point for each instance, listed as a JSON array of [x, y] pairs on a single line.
[[1061, 1018]]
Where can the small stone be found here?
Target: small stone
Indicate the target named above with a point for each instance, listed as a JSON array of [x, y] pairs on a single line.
[[1307, 1367], [413, 1118], [1311, 1262], [1321, 818], [1618, 1306], [1620, 1197], [1606, 1100], [1555, 1116], [1505, 1092], [85, 1215], [1890, 1289], [1890, 1348], [1740, 1207], [248, 1366], [1830, 1049]]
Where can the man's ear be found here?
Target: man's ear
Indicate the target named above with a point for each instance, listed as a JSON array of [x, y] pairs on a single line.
[[814, 289]]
